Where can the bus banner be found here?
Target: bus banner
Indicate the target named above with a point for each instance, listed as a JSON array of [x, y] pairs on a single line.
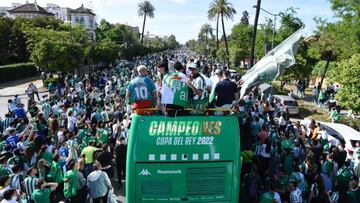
[[183, 159]]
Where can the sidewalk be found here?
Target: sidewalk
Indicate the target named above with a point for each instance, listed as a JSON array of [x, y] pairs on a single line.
[[18, 87], [9, 89]]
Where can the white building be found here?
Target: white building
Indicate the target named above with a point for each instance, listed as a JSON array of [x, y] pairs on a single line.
[[28, 10], [62, 13], [85, 17]]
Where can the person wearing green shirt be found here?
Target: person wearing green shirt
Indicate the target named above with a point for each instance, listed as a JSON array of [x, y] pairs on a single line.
[[55, 169], [88, 153], [200, 98], [334, 115], [352, 191], [270, 196], [102, 136], [174, 90], [281, 182], [70, 187], [4, 169], [20, 127], [45, 154], [288, 162], [43, 190], [321, 98], [328, 165], [16, 159]]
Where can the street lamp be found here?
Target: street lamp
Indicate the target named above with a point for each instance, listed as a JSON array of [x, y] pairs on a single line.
[[274, 29]]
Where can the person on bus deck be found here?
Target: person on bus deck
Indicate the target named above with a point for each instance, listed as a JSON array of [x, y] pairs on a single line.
[[141, 91], [217, 77], [175, 92], [206, 75], [227, 93], [199, 95]]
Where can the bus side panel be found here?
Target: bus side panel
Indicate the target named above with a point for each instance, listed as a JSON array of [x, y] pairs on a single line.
[[130, 166], [159, 141]]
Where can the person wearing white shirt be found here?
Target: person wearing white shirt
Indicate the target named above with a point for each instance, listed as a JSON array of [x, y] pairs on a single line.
[[295, 193], [205, 74], [216, 78], [282, 122]]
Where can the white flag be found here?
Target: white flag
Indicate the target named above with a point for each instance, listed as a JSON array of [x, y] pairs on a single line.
[[273, 64]]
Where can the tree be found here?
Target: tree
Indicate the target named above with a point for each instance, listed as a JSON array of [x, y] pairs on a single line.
[[223, 9], [145, 9], [57, 55], [348, 76], [102, 29], [205, 31], [289, 23], [241, 41], [171, 42], [245, 18], [5, 40], [191, 44], [105, 51]]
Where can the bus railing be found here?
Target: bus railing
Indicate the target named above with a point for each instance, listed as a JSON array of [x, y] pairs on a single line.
[[227, 111]]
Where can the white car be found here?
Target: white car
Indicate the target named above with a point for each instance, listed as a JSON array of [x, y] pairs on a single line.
[[339, 132], [289, 104], [233, 72]]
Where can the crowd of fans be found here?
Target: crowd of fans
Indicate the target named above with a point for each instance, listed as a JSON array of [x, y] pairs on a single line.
[[68, 145]]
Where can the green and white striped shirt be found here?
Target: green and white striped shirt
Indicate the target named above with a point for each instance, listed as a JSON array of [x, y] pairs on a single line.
[[72, 145], [30, 183]]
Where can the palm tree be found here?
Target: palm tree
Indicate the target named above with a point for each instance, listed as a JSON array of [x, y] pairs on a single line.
[[213, 13], [221, 9], [146, 9], [206, 29]]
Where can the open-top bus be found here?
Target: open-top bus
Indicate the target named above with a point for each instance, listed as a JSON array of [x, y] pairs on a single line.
[[183, 159]]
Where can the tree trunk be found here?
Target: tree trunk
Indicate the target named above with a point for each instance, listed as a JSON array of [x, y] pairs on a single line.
[[143, 29], [324, 74], [252, 54], [217, 32], [206, 43], [226, 44]]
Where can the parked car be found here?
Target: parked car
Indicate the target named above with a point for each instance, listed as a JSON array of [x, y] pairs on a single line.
[[338, 133], [266, 89], [289, 104], [233, 72]]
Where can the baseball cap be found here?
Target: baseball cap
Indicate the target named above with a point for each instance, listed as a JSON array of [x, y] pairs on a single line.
[[191, 66], [217, 71], [141, 67]]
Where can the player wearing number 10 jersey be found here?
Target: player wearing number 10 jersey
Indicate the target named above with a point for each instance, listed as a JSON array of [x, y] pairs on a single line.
[[141, 91]]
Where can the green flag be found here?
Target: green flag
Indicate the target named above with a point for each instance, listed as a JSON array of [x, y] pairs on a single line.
[[273, 64]]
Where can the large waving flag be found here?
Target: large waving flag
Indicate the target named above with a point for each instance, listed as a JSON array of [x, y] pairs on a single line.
[[273, 64]]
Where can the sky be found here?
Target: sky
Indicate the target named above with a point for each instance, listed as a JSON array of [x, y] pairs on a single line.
[[183, 18]]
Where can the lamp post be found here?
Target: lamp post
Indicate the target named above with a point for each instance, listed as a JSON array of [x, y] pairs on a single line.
[[252, 53], [274, 29]]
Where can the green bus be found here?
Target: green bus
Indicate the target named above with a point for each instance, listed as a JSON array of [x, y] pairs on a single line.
[[183, 159]]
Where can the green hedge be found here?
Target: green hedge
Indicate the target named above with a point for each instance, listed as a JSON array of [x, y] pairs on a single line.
[[17, 71], [49, 80]]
